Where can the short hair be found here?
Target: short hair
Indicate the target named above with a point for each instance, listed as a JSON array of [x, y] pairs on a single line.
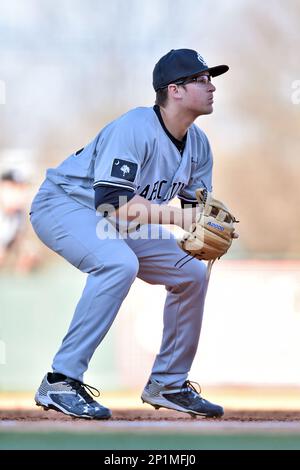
[[162, 96]]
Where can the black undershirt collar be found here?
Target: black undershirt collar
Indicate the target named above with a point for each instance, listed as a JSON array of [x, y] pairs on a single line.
[[180, 144]]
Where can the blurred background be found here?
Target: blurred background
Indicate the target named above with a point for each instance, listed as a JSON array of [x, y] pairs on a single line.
[[68, 67]]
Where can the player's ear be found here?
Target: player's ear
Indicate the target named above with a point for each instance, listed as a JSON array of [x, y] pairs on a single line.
[[174, 90]]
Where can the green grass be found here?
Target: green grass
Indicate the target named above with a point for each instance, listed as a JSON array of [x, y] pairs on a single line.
[[147, 441]]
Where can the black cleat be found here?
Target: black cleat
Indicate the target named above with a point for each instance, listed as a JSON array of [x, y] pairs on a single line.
[[186, 399], [70, 396]]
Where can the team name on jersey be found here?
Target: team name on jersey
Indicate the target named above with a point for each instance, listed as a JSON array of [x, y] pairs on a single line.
[[155, 191]]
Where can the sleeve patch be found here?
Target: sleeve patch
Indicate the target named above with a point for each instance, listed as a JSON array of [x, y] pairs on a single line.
[[124, 169]]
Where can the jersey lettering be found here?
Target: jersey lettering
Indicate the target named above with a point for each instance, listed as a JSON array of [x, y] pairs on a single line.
[[153, 192], [159, 189], [145, 191]]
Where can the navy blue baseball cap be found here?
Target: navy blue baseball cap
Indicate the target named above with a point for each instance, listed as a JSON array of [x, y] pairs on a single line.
[[182, 63]]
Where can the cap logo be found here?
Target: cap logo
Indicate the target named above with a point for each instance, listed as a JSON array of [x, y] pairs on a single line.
[[200, 58]]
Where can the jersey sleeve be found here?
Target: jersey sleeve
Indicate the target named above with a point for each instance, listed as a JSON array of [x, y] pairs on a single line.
[[201, 172], [111, 196], [121, 150]]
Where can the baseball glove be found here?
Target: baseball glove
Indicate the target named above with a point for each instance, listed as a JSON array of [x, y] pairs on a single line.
[[211, 235]]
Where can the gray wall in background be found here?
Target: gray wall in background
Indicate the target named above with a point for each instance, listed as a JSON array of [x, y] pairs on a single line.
[[35, 312]]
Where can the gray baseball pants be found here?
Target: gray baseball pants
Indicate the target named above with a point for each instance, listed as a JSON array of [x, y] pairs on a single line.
[[69, 229]]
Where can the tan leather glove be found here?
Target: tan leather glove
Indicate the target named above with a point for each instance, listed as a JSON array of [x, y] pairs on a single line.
[[211, 235]]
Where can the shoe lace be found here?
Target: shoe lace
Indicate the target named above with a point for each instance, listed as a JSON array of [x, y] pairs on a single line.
[[188, 387], [83, 389]]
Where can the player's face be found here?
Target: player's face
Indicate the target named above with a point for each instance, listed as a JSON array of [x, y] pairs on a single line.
[[198, 95]]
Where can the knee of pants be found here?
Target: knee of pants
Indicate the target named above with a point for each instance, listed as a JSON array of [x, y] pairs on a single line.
[[124, 269], [194, 272], [129, 267], [118, 268]]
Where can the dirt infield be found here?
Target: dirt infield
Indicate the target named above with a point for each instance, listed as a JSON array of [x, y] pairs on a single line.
[[34, 429], [153, 415], [255, 419]]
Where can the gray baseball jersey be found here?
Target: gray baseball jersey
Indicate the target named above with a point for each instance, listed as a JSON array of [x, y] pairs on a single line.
[[135, 153]]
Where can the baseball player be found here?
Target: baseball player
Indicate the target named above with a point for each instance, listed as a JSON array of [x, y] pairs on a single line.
[[128, 173]]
